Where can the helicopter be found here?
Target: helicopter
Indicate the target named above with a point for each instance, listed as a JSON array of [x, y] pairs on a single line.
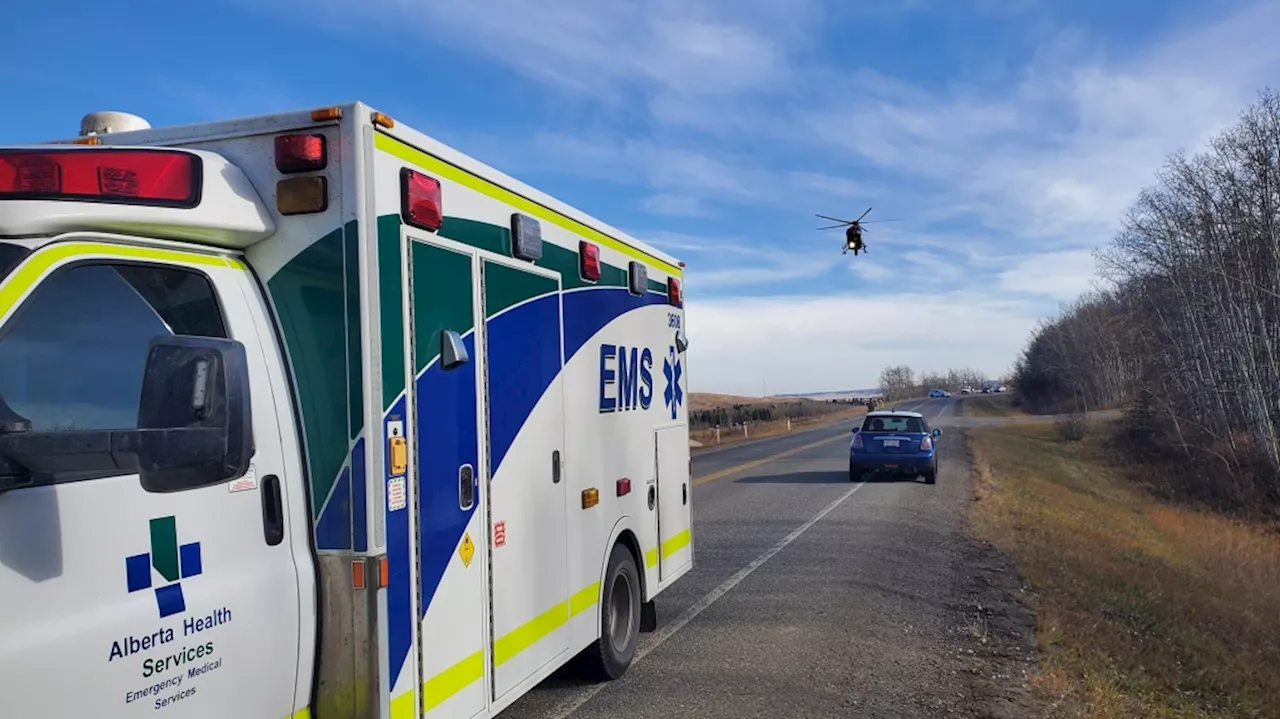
[[852, 235]]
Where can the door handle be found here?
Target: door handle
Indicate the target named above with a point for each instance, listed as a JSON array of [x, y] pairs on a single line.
[[272, 510], [555, 467], [466, 487]]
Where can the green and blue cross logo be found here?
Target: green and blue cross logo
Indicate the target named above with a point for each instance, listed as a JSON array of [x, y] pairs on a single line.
[[171, 561]]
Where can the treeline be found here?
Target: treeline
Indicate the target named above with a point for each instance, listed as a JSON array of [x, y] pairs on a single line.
[[1186, 332], [901, 382], [735, 415]]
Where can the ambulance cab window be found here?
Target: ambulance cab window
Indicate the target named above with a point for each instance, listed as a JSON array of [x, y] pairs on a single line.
[[73, 356]]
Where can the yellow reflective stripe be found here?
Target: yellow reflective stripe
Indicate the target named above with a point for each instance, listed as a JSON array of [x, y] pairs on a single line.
[[584, 599], [38, 264], [410, 154], [524, 636], [651, 558], [303, 713], [451, 681], [675, 544], [444, 685], [401, 706]]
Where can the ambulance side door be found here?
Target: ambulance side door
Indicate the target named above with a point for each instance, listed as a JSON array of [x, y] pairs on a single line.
[[120, 600]]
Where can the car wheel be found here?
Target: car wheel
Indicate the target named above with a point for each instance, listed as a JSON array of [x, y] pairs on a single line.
[[854, 474], [931, 477], [611, 654]]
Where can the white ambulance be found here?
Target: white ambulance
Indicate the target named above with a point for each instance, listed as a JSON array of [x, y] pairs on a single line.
[[311, 415]]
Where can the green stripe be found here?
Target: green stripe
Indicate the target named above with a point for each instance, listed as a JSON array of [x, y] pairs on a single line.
[[497, 239], [442, 299], [355, 330], [310, 295], [390, 285], [506, 286]]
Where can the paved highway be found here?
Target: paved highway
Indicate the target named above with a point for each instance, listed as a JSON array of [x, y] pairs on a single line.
[[812, 596]]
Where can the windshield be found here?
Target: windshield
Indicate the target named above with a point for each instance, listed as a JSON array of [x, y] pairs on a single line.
[[893, 424], [10, 256]]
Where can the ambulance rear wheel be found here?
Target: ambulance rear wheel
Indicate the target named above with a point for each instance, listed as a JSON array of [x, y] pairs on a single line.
[[612, 653]]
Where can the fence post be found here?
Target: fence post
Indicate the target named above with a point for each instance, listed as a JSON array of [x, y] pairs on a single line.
[[717, 434], [744, 430], [788, 424]]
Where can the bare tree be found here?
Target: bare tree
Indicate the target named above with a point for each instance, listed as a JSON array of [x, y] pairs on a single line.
[[1188, 330]]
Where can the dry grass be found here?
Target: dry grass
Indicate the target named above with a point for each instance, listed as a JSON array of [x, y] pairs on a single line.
[[759, 430], [996, 405], [710, 400], [1145, 609]]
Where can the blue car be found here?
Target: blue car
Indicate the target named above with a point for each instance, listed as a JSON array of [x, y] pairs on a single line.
[[894, 443]]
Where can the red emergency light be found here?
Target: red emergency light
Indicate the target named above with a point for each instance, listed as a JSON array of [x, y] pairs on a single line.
[[301, 153], [589, 261], [163, 178], [673, 292], [420, 201]]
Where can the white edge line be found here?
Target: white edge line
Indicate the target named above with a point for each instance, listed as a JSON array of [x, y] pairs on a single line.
[[701, 605]]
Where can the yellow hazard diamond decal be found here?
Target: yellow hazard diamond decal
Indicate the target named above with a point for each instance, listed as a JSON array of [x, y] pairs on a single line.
[[467, 549]]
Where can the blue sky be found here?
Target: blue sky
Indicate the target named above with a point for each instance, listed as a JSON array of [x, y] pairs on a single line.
[[1008, 136]]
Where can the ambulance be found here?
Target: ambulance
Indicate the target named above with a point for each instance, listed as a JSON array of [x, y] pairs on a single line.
[[309, 415]]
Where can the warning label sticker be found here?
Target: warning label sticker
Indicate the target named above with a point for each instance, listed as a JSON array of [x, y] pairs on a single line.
[[395, 494], [466, 550]]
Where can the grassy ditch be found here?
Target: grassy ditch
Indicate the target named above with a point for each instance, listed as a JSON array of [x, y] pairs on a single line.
[[1144, 608]]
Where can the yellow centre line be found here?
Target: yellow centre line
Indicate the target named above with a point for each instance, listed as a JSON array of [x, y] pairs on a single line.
[[765, 460]]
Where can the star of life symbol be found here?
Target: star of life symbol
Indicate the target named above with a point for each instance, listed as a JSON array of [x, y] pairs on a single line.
[[671, 369]]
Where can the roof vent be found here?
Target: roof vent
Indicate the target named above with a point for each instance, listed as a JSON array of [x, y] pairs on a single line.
[[102, 123]]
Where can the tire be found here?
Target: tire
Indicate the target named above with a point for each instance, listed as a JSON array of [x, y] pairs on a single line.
[[610, 656], [931, 477], [854, 475]]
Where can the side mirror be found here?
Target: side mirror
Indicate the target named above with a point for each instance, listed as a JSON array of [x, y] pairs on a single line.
[[195, 425], [937, 432], [682, 342], [854, 430]]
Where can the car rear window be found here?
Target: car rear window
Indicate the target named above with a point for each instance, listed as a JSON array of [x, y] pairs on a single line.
[[893, 424]]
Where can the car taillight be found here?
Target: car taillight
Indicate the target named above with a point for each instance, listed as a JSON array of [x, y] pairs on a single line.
[[166, 178], [857, 440], [926, 443]]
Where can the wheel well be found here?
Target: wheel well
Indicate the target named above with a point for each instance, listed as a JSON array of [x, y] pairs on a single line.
[[628, 539]]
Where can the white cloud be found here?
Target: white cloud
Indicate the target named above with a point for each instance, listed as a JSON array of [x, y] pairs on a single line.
[[605, 49], [718, 263], [1060, 275], [804, 344], [731, 103], [1058, 157], [676, 205]]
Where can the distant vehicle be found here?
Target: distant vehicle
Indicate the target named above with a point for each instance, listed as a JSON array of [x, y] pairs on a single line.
[[1002, 388], [894, 443], [936, 393], [966, 390], [987, 390]]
